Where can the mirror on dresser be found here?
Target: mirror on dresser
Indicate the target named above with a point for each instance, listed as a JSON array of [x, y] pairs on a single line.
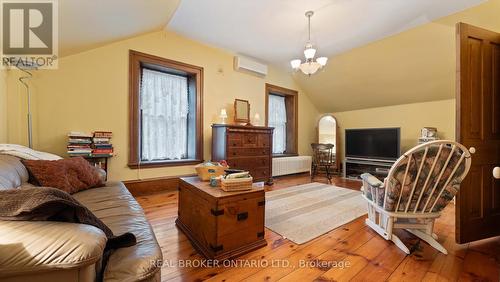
[[328, 133]]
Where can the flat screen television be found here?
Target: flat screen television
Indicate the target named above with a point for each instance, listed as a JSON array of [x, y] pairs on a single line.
[[373, 143]]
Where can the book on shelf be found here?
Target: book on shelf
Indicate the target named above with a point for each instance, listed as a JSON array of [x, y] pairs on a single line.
[[78, 134], [100, 140], [79, 141], [102, 151], [101, 155], [103, 134], [102, 146], [78, 146]]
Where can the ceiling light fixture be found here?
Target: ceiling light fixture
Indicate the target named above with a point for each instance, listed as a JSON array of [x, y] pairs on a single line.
[[310, 65]]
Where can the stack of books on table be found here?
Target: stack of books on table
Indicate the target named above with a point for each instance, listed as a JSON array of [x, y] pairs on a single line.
[[79, 144], [101, 144]]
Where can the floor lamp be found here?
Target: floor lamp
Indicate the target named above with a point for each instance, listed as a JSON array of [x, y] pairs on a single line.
[[25, 68]]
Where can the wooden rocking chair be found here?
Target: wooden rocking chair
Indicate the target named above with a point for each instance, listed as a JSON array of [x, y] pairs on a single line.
[[419, 185]]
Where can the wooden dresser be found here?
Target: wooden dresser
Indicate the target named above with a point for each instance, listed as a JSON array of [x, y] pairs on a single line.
[[221, 225], [244, 147]]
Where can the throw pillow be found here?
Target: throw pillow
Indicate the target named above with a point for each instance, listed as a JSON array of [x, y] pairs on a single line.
[[70, 175]]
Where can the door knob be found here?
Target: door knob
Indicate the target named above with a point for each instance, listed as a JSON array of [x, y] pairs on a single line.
[[496, 172], [472, 150]]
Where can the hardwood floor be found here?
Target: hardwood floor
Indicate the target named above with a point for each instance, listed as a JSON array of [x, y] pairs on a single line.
[[365, 255]]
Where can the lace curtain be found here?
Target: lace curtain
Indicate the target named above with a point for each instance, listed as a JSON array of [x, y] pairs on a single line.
[[277, 119], [164, 105]]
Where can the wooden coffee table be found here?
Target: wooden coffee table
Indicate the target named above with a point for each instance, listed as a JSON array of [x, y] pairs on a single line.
[[221, 225]]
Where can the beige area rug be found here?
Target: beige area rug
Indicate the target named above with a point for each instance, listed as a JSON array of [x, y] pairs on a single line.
[[302, 213]]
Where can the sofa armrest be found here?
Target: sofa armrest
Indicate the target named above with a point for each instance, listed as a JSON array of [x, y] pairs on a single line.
[[27, 247]]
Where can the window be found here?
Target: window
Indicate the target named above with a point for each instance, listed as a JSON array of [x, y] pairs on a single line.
[[282, 114], [165, 112], [277, 119]]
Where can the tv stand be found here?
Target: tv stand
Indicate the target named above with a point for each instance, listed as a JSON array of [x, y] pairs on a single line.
[[354, 167]]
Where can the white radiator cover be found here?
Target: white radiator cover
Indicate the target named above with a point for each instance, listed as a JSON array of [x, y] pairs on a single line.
[[291, 165]]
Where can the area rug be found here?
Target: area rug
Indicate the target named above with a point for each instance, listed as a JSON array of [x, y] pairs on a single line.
[[302, 213]]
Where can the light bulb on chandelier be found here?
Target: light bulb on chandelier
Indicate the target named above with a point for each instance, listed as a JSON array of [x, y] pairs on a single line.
[[310, 65]]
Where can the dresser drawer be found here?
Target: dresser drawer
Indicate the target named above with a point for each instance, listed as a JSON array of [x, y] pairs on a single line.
[[248, 163], [264, 140], [260, 173], [247, 152], [232, 143], [250, 140]]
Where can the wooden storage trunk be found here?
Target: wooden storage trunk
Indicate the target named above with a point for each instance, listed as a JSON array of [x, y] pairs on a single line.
[[221, 225]]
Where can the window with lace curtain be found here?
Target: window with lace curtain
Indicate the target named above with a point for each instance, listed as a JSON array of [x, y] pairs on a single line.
[[277, 119], [165, 112], [282, 114]]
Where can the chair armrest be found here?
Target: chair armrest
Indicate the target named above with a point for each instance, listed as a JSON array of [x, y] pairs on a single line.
[[36, 246], [371, 180], [373, 189]]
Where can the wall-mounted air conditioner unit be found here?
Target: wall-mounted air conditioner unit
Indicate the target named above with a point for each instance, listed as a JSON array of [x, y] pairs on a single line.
[[246, 64]]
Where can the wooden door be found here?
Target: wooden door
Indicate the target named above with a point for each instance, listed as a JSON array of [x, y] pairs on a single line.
[[478, 127]]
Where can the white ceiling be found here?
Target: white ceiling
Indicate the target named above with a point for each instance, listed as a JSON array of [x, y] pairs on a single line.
[[275, 31], [86, 24]]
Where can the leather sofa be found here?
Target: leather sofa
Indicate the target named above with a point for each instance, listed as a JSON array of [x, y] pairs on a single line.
[[59, 251]]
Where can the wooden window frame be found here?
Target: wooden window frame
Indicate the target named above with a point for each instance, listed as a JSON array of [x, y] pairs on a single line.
[[136, 61], [292, 123]]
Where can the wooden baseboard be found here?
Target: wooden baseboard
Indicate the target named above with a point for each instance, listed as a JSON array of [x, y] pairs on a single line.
[[141, 187]]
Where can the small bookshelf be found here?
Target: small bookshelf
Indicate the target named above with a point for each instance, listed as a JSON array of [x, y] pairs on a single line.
[[96, 147]]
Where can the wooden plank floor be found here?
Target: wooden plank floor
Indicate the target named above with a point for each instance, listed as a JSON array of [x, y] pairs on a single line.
[[370, 257]]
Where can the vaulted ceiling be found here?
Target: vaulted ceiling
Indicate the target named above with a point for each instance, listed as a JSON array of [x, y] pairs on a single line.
[[381, 52], [275, 31], [86, 24]]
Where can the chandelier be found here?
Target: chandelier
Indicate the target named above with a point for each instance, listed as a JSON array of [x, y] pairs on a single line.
[[310, 65]]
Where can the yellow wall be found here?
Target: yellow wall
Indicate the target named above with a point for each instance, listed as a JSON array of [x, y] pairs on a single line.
[[410, 117], [89, 92], [3, 106]]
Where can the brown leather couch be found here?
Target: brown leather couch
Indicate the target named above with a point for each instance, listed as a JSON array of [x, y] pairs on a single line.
[[59, 251]]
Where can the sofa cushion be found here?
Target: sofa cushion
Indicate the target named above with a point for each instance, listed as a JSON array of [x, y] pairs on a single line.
[[70, 175], [12, 172], [37, 246], [118, 209]]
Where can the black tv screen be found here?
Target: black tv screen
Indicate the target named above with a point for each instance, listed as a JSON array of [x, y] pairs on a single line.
[[374, 143]]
